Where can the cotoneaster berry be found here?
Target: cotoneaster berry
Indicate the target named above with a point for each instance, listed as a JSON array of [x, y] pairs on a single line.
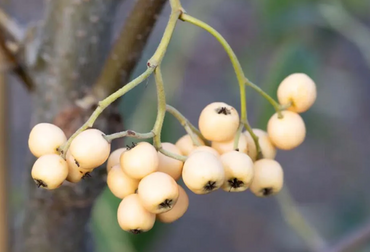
[[133, 217], [218, 121], [140, 160], [268, 178], [238, 171], [203, 173], [267, 147], [45, 138], [158, 192], [204, 149], [185, 144], [178, 210], [223, 147], [119, 183], [299, 90], [49, 171], [114, 158], [288, 132], [171, 166]]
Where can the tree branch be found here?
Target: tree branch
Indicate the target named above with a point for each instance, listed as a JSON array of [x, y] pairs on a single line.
[[128, 47], [10, 26]]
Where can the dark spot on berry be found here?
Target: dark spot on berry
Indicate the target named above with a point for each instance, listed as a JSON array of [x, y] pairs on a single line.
[[86, 175], [237, 149], [223, 110], [267, 191], [40, 183], [235, 183], [77, 163], [135, 231], [210, 186], [166, 204]]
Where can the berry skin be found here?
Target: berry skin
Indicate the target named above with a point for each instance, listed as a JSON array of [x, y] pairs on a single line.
[[205, 149], [45, 138], [203, 173], [267, 148], [178, 210], [300, 90], [238, 171], [185, 144], [268, 178], [114, 158], [158, 192], [218, 122], [288, 132], [49, 171], [75, 174], [133, 217], [169, 165], [140, 161], [90, 149], [120, 184], [224, 147]]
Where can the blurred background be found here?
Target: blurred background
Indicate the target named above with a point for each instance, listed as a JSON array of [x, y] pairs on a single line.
[[327, 175]]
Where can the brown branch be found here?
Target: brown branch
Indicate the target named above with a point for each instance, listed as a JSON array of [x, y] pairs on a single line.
[[128, 47], [352, 241]]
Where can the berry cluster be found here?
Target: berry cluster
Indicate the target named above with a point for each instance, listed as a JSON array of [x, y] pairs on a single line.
[[220, 156]]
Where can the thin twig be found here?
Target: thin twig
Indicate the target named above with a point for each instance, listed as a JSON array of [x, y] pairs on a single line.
[[8, 25]]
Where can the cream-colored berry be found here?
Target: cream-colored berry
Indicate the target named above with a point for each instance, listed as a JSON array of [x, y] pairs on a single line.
[[203, 173], [218, 122], [206, 149], [45, 138], [114, 158], [300, 90], [267, 148], [119, 183], [49, 171], [75, 174], [90, 149], [171, 166], [158, 192], [178, 210], [268, 178], [224, 147], [140, 160], [288, 132], [185, 144], [133, 217], [238, 171]]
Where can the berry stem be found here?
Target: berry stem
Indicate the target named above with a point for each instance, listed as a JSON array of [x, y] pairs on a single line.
[[188, 126], [234, 60], [161, 112], [129, 133], [255, 139], [172, 155], [237, 136]]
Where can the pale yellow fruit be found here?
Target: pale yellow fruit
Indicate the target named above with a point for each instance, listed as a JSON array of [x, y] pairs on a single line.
[[114, 158], [120, 184], [203, 173], [268, 178], [158, 192], [288, 132], [49, 171], [185, 144], [171, 166], [206, 149], [90, 149], [133, 217], [45, 138], [140, 160], [75, 174], [218, 122], [178, 210], [267, 148], [238, 171], [300, 90], [72, 163], [223, 147]]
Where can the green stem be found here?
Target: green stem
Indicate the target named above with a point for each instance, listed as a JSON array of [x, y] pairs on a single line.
[[234, 60], [255, 139], [237, 136], [161, 98], [172, 155], [128, 133]]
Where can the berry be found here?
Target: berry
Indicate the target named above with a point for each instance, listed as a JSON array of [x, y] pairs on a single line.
[[300, 90], [49, 171], [45, 138], [218, 122], [133, 217], [185, 144], [288, 132], [171, 166], [178, 210], [223, 147], [119, 183], [90, 149], [158, 192], [205, 149], [267, 148], [238, 171], [140, 160], [203, 173], [114, 158], [268, 178]]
